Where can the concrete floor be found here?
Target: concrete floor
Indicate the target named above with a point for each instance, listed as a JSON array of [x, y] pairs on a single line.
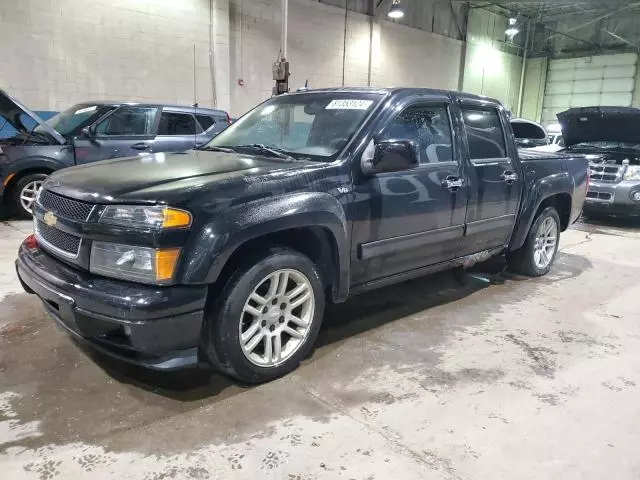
[[504, 378]]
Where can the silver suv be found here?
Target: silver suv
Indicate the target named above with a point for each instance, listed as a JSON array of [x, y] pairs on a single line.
[[610, 138]]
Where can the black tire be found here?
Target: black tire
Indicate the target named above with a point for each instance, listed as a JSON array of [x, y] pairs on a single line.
[[522, 260], [17, 210], [221, 336]]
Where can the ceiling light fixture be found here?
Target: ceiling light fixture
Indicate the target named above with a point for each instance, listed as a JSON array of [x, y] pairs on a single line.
[[512, 30], [396, 10]]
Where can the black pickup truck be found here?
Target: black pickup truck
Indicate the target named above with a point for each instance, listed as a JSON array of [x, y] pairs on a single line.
[[225, 255]]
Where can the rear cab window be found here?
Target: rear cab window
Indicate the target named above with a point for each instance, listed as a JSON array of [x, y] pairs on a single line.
[[485, 135]]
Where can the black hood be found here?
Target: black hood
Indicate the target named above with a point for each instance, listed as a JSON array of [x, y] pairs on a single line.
[[600, 124], [164, 177], [11, 110]]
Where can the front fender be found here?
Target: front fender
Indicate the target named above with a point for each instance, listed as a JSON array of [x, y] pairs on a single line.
[[32, 163], [220, 236], [535, 194]]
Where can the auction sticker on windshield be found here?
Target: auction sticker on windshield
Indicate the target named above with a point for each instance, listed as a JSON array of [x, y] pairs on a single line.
[[347, 104]]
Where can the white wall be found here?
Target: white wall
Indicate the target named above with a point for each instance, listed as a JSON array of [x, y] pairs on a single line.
[[57, 52], [535, 78], [401, 56], [489, 70], [54, 53]]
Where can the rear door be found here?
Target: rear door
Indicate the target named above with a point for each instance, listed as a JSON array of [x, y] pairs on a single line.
[[494, 176], [128, 131], [178, 131]]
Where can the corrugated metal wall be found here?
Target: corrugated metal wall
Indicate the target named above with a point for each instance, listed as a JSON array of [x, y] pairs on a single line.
[[589, 81]]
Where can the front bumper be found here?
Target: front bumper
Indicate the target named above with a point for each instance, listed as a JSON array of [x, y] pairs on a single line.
[[612, 198], [156, 327]]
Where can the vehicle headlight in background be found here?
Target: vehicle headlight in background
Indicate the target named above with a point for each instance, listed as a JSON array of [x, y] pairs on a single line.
[[138, 216], [632, 173], [139, 264]]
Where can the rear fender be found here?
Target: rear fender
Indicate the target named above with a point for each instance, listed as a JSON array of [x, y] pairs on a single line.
[[541, 189], [220, 236]]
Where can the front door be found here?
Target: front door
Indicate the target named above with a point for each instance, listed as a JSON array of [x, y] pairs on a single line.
[[410, 219], [128, 131], [494, 181]]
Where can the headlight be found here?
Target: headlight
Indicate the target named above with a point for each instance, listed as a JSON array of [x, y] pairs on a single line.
[[632, 173], [139, 264], [136, 216]]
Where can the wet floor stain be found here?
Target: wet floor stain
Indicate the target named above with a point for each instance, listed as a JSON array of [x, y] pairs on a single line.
[[415, 349]]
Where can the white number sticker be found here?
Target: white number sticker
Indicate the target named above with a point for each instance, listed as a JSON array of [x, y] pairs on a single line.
[[347, 104]]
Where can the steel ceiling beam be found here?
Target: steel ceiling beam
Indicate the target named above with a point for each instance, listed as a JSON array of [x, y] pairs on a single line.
[[382, 7], [601, 17]]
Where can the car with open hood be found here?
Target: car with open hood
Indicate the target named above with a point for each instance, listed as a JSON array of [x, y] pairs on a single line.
[[88, 132], [610, 137]]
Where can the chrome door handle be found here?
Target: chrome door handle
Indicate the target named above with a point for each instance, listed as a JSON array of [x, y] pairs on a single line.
[[509, 177], [140, 146], [452, 183]]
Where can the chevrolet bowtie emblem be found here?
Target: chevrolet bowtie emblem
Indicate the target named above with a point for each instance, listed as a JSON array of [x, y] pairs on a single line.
[[50, 219]]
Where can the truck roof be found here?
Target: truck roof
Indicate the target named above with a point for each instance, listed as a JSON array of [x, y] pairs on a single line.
[[401, 91]]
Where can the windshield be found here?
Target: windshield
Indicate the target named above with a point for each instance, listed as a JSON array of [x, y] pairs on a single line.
[[306, 126], [606, 146], [72, 120]]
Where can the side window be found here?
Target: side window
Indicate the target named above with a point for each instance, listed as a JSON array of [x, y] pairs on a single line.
[[429, 127], [176, 124], [205, 121], [484, 133], [128, 121]]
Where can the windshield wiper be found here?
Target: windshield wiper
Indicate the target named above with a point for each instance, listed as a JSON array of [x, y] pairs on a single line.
[[216, 149], [276, 152]]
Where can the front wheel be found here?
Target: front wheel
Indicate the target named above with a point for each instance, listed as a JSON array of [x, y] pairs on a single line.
[[24, 193], [267, 318], [535, 258]]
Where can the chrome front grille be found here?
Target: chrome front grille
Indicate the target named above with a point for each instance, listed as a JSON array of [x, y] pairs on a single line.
[[65, 207], [58, 241], [605, 173]]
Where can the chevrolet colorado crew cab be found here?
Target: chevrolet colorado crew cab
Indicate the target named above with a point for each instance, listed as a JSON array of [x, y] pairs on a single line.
[[225, 255]]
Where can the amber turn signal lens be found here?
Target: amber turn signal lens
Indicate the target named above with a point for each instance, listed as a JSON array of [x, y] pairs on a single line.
[[166, 260], [173, 218], [8, 179]]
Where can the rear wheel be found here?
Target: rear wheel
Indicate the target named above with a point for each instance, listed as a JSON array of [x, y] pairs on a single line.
[[537, 255], [267, 318], [24, 192]]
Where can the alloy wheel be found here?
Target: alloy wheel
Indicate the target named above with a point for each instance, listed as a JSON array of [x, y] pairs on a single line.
[[545, 243], [29, 194], [276, 318]]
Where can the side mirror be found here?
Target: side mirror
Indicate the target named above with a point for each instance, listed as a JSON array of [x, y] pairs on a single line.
[[87, 132], [389, 156]]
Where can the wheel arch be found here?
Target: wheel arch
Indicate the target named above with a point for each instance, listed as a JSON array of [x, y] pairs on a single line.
[[28, 166], [317, 229], [553, 191]]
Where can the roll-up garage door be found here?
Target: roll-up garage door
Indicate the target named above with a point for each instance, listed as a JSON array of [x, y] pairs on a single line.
[[588, 81]]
